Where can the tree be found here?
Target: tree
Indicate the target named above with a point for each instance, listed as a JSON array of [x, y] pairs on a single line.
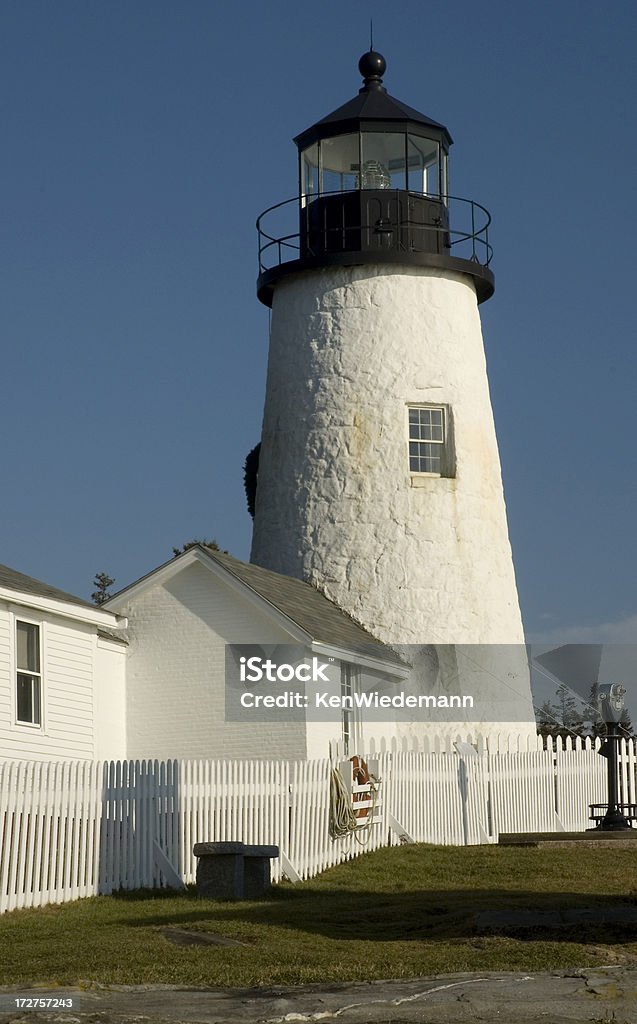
[[251, 476], [567, 712], [547, 723], [212, 544], [560, 718], [101, 582]]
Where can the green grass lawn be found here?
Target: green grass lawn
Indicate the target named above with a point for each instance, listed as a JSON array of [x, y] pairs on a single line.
[[395, 913]]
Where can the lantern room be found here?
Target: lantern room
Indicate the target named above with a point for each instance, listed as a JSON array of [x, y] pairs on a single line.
[[373, 187], [377, 160], [374, 142], [373, 175]]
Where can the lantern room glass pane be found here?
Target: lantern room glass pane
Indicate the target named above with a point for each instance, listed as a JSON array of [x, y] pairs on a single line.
[[423, 165], [339, 163], [383, 160], [310, 171]]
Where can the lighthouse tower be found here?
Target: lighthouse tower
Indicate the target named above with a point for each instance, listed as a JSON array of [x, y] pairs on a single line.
[[379, 477]]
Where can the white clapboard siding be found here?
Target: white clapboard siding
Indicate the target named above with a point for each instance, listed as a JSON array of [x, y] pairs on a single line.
[[77, 828]]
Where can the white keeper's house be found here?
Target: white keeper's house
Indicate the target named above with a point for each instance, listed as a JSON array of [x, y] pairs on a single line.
[[144, 676], [62, 674]]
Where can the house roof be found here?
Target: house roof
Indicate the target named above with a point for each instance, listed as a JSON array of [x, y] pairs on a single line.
[[13, 580], [305, 605], [300, 602]]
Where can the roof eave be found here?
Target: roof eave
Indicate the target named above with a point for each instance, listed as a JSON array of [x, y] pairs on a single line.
[[328, 131], [95, 616], [392, 665], [382, 111]]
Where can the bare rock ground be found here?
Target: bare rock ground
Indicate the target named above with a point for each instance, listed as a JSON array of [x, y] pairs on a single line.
[[606, 995]]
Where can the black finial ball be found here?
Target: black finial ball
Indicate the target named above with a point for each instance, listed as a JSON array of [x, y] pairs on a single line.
[[372, 65]]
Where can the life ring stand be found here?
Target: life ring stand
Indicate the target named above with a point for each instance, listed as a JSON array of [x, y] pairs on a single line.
[[360, 777]]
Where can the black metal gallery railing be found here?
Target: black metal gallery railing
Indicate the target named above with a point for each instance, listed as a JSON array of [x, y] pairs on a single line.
[[300, 228]]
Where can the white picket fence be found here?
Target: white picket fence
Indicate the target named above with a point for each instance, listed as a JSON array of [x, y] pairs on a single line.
[[75, 829]]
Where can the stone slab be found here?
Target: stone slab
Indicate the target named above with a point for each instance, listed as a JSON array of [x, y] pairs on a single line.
[[214, 849], [627, 838], [261, 851], [247, 849]]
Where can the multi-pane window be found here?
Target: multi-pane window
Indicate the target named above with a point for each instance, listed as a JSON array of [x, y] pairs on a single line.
[[350, 724], [28, 675], [427, 439]]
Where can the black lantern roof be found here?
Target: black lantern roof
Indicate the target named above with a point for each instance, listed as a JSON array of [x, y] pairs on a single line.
[[375, 109]]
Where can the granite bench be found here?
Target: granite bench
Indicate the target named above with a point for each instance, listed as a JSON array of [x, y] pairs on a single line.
[[233, 871]]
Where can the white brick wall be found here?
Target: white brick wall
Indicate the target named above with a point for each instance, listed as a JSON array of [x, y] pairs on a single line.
[[175, 675], [416, 559]]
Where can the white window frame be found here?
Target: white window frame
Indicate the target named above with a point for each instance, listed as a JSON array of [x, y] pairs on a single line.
[[350, 718], [446, 453], [17, 670]]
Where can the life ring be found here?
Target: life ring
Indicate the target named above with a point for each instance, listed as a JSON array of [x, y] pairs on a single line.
[[361, 777]]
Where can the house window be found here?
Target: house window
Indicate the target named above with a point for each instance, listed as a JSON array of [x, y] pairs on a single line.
[[28, 674], [429, 441], [350, 719]]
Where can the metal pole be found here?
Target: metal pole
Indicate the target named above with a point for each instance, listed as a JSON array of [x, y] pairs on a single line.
[[614, 820]]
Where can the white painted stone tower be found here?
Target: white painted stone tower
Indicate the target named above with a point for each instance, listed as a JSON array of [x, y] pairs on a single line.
[[379, 477]]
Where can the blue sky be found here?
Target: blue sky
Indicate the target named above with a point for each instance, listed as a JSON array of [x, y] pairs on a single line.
[[141, 141]]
